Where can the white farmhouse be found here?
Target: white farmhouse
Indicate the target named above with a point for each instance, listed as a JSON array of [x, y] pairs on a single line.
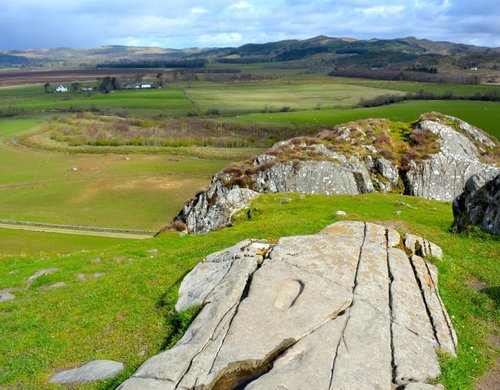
[[61, 88]]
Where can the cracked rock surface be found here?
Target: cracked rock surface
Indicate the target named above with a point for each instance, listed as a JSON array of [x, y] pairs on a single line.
[[342, 309]]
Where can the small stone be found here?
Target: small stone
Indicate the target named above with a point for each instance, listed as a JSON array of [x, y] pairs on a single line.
[[4, 297], [91, 371], [340, 213], [13, 272], [55, 285], [96, 260], [153, 251], [74, 169], [81, 277], [97, 275], [398, 212], [39, 273], [285, 200]]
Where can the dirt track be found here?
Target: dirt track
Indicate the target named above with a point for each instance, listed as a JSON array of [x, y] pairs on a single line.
[[68, 230]]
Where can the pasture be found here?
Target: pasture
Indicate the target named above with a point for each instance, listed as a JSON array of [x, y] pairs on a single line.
[[121, 191], [292, 93], [485, 115]]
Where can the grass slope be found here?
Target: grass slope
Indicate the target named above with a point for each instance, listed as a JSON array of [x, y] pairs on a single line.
[[126, 314]]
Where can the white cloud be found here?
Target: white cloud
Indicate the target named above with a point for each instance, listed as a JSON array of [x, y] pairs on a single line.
[[198, 10], [242, 5], [221, 39]]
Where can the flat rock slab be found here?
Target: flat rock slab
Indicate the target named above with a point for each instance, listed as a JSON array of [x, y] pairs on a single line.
[[347, 308], [91, 371]]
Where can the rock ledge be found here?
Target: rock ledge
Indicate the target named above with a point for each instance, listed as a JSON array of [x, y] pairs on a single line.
[[352, 307]]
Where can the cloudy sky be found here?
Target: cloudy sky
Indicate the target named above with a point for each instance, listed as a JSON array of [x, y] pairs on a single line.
[[216, 23]]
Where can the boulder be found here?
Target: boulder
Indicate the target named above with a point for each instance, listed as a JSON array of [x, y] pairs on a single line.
[[479, 204], [345, 308], [91, 371], [356, 158]]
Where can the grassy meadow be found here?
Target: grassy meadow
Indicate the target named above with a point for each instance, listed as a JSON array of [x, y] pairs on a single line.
[[125, 313], [274, 95]]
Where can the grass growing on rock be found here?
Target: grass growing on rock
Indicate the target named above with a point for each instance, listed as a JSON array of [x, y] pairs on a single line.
[[126, 313]]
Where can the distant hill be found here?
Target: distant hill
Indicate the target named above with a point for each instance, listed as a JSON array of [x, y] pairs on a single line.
[[318, 53], [90, 56]]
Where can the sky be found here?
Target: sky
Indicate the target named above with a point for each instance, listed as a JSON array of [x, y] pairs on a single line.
[[219, 23]]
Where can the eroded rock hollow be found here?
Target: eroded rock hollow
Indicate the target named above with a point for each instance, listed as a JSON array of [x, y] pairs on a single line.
[[353, 307]]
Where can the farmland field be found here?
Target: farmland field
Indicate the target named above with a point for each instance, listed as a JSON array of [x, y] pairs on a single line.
[[295, 93], [485, 115], [43, 187]]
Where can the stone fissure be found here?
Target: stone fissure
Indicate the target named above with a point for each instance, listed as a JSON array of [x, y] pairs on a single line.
[[391, 316], [348, 309], [207, 342], [244, 295], [422, 293], [443, 311]]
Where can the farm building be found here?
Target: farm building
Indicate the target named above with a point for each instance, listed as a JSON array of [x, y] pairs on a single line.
[[61, 88]]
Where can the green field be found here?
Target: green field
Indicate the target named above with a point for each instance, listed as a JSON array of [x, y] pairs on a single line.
[[171, 101], [485, 115], [127, 313], [272, 95], [408, 86], [28, 243], [107, 190]]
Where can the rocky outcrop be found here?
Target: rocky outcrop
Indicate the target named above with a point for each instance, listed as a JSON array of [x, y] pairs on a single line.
[[343, 309], [444, 174], [479, 204], [432, 159]]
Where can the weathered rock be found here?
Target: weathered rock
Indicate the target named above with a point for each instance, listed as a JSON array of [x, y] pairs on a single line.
[[444, 174], [342, 309], [91, 371], [421, 246], [6, 296], [479, 204], [311, 166]]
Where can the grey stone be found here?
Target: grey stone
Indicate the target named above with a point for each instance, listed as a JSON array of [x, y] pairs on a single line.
[[39, 273], [421, 246], [387, 170], [52, 286], [338, 309], [444, 174], [91, 371], [422, 386], [6, 296], [340, 213], [479, 203]]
